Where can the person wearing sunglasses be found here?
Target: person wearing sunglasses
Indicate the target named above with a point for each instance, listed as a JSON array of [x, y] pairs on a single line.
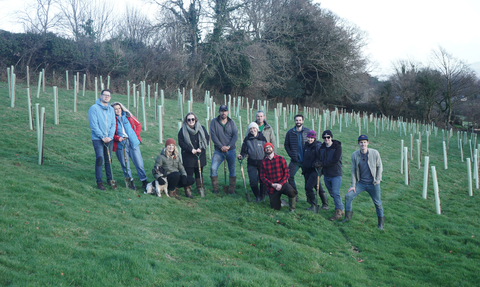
[[367, 171], [330, 160], [193, 139]]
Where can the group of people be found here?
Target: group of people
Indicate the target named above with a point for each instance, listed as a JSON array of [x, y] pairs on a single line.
[[114, 128]]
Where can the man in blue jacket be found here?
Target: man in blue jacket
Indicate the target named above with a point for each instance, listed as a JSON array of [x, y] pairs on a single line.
[[101, 117], [295, 139]]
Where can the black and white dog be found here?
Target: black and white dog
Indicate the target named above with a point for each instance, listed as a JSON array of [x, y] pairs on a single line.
[[160, 184]]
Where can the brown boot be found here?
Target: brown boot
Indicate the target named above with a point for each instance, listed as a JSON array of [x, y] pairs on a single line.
[[232, 180], [100, 186], [199, 184], [188, 191], [175, 193], [214, 183], [337, 215]]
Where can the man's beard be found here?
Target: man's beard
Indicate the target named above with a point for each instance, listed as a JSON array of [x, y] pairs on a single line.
[[298, 125], [269, 151]]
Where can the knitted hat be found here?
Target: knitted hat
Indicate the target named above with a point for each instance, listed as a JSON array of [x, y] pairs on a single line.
[[169, 142], [252, 125], [327, 133], [268, 144], [312, 134], [363, 138]]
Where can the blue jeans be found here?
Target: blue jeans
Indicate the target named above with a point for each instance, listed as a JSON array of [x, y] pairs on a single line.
[[292, 169], [135, 155], [218, 158], [101, 154], [333, 185], [373, 190]]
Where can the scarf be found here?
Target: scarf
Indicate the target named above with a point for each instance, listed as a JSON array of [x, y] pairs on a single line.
[[187, 131]]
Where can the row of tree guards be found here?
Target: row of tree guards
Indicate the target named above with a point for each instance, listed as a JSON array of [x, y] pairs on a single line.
[[322, 119]]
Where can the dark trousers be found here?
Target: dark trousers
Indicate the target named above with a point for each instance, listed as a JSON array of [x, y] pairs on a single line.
[[193, 170], [101, 154], [311, 179], [174, 181], [293, 168], [275, 201], [254, 175]]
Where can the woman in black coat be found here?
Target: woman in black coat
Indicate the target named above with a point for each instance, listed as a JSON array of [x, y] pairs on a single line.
[[193, 139], [310, 150]]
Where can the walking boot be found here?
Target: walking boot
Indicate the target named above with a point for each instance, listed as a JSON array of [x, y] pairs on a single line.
[[337, 215], [292, 202], [175, 193], [100, 186], [144, 184], [214, 184], [131, 185], [198, 183], [381, 221], [348, 216], [324, 198], [188, 191], [232, 180], [312, 200], [256, 192]]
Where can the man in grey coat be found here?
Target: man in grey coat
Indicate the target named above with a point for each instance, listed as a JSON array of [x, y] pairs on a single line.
[[224, 135], [366, 176]]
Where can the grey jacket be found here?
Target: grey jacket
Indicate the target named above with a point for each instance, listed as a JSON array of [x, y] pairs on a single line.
[[170, 165], [223, 136], [374, 164], [268, 133]]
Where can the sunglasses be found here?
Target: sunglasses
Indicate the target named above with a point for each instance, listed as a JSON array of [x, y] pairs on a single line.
[[327, 138], [191, 120]]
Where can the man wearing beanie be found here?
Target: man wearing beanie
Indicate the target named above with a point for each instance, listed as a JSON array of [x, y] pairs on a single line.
[[274, 174], [330, 158], [366, 176], [295, 139], [224, 135]]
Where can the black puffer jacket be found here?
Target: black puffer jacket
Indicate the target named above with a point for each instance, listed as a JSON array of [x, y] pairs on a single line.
[[189, 159], [331, 157], [310, 153], [253, 147], [291, 142]]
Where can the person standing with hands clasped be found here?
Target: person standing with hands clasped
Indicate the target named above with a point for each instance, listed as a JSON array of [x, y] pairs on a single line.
[[330, 158], [101, 118], [193, 139], [367, 171], [310, 151], [224, 133]]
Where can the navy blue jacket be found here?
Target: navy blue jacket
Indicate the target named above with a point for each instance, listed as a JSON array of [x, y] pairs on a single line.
[[331, 157], [291, 142]]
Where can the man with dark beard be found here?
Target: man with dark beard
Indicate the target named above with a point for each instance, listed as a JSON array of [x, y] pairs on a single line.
[[295, 139], [274, 174]]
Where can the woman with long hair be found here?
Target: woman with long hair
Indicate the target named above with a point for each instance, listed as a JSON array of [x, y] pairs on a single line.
[[126, 144], [193, 139], [176, 174]]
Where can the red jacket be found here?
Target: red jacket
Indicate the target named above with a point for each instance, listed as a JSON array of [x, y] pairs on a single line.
[[136, 126]]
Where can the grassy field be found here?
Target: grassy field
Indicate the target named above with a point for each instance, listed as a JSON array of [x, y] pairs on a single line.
[[57, 229]]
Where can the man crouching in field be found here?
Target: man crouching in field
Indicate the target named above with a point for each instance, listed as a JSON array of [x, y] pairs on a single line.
[[274, 174], [366, 175]]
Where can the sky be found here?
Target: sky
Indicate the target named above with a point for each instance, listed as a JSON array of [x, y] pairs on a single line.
[[410, 29], [397, 30]]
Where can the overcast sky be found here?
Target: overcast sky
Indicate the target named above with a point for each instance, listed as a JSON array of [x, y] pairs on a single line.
[[412, 28], [396, 29]]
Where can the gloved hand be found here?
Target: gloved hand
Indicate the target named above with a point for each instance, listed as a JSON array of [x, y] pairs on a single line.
[[318, 164], [183, 179]]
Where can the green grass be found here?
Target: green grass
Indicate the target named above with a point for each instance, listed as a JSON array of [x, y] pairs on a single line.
[[58, 229]]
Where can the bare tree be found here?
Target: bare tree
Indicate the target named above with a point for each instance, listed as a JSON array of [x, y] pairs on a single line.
[[458, 80], [39, 16]]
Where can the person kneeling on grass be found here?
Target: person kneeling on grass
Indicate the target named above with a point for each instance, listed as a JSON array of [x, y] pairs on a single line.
[[176, 174], [274, 174], [366, 175]]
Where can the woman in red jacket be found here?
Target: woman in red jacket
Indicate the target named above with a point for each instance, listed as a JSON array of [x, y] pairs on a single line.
[[126, 143]]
